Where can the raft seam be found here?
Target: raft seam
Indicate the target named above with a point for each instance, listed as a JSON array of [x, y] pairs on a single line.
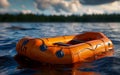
[[104, 44]]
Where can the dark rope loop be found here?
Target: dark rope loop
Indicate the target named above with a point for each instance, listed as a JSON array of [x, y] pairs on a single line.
[[60, 53], [43, 47]]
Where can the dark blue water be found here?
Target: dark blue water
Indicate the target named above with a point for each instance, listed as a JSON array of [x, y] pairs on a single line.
[[10, 33]]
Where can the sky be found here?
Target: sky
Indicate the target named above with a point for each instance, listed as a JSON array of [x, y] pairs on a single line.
[[58, 7]]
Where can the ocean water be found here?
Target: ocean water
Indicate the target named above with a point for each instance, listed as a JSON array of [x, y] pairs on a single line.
[[10, 33]]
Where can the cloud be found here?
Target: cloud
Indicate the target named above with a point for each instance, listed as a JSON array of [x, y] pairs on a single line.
[[115, 6], [4, 11], [4, 3], [26, 11], [93, 11], [66, 7], [58, 5], [78, 6], [96, 2], [15, 11]]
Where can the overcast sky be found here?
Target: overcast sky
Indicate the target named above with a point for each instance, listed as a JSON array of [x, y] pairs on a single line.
[[66, 7]]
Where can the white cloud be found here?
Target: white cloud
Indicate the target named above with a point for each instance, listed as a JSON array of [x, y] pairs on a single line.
[[14, 11], [112, 7], [4, 3], [93, 11], [58, 5], [66, 7], [4, 11], [74, 6], [109, 8], [26, 11]]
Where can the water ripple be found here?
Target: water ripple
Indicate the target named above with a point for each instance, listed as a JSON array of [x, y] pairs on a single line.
[[6, 62], [20, 28], [106, 65], [10, 33]]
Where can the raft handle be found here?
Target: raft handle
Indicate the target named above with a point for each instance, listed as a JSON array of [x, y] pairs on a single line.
[[43, 47], [60, 53]]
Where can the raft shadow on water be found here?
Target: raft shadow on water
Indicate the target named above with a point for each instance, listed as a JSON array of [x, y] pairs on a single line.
[[50, 69], [98, 67]]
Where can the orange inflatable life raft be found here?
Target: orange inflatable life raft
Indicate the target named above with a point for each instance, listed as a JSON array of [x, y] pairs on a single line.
[[69, 49]]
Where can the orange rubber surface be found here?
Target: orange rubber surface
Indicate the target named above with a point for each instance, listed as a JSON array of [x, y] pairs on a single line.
[[69, 49]]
